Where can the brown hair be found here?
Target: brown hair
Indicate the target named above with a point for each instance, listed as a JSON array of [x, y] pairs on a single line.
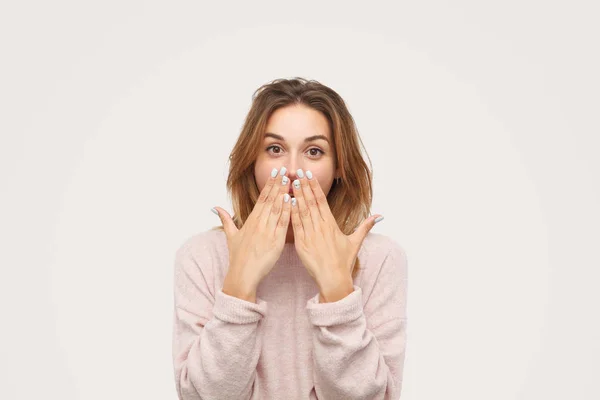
[[349, 197]]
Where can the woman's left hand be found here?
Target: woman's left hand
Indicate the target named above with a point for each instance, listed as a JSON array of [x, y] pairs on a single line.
[[327, 253]]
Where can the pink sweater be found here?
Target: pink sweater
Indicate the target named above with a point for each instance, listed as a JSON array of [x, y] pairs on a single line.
[[287, 345]]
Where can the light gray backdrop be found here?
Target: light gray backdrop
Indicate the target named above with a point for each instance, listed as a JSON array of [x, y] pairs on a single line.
[[480, 117]]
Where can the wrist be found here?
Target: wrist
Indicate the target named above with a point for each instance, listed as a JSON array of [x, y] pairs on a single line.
[[237, 288], [335, 288]]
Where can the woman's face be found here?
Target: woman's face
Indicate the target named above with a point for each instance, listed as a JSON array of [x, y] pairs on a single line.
[[284, 145]]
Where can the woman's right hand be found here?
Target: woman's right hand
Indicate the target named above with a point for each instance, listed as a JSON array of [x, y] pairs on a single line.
[[255, 248]]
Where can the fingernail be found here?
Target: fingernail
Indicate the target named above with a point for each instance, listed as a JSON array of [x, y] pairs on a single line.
[[297, 183], [283, 171], [294, 201], [215, 211], [309, 174], [284, 180], [274, 173], [300, 173], [286, 197], [378, 218]]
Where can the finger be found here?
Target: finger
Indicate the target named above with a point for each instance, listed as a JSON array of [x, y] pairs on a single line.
[[277, 206], [303, 210], [262, 198], [321, 198], [310, 201], [296, 222], [279, 187], [284, 219], [358, 236], [228, 224]]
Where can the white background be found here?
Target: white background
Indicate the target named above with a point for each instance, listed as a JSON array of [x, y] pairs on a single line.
[[480, 118]]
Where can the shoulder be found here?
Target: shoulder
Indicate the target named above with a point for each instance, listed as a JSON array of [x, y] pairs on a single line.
[[203, 247], [378, 244], [385, 274], [378, 249], [197, 268]]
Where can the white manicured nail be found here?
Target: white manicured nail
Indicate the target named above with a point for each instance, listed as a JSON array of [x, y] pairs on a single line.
[[297, 184], [378, 218], [286, 197], [300, 173], [274, 173], [309, 174], [283, 171], [293, 201], [284, 180]]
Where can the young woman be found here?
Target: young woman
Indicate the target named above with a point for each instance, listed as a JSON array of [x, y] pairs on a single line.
[[293, 297]]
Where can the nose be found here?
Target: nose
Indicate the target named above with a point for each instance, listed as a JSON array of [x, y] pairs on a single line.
[[292, 170]]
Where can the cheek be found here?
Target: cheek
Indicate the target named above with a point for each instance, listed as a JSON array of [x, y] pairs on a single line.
[[325, 180], [262, 184], [261, 175]]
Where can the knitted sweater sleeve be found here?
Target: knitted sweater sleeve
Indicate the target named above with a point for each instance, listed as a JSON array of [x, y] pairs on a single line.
[[359, 352], [216, 338]]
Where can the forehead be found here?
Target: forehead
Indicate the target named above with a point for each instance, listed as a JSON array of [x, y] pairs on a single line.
[[296, 122]]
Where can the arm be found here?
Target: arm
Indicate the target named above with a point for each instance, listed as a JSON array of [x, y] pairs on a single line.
[[359, 352], [216, 340]]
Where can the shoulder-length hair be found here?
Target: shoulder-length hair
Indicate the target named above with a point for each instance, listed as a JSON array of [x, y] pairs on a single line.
[[349, 198]]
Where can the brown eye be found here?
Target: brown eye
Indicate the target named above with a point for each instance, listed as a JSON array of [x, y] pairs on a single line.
[[318, 151], [274, 146]]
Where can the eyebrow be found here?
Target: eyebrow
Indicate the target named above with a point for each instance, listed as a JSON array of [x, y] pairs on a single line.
[[306, 140]]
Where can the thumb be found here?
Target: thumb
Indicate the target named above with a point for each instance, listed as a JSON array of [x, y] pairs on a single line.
[[363, 229], [226, 220]]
